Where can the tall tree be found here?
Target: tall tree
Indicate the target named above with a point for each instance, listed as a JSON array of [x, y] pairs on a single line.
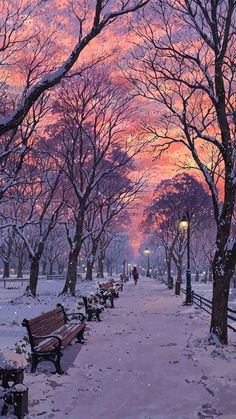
[[185, 65], [6, 250], [91, 144], [17, 144], [113, 196], [174, 198], [34, 210]]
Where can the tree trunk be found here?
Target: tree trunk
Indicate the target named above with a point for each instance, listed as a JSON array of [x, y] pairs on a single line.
[[89, 272], [111, 269], [91, 261], [204, 278], [60, 268], [6, 273], [224, 259], [71, 277], [50, 267], [34, 274], [219, 309], [169, 277], [222, 274], [210, 273], [178, 280], [197, 276], [100, 272], [19, 268]]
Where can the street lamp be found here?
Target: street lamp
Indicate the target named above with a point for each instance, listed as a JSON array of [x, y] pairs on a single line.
[[147, 252], [185, 225]]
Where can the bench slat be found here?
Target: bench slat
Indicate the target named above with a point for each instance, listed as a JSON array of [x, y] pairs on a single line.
[[46, 325], [52, 313], [67, 333], [45, 328]]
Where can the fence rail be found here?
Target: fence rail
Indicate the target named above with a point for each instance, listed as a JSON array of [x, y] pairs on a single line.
[[13, 281], [206, 305], [56, 277]]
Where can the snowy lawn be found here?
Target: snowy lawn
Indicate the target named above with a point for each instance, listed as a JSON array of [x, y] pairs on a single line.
[[145, 360]]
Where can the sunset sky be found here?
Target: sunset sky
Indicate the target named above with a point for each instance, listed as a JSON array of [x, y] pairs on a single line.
[[118, 41], [115, 44]]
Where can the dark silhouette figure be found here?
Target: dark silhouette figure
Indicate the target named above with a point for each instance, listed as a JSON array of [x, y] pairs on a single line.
[[135, 275]]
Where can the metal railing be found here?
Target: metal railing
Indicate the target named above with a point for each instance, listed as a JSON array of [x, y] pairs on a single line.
[[13, 281], [56, 277], [206, 305]]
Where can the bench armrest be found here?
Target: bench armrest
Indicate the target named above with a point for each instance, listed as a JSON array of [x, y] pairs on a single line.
[[66, 314], [81, 316]]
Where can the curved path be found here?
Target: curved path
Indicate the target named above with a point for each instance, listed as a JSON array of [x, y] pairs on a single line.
[[143, 361]]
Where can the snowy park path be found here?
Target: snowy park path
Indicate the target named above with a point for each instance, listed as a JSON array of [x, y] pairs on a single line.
[[141, 362]]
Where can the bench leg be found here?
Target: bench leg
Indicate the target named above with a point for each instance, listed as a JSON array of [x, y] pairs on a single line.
[[112, 302], [54, 357], [57, 363], [80, 337], [98, 317], [34, 362]]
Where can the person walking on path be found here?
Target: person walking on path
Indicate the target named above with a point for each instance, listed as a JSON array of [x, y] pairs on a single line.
[[135, 275]]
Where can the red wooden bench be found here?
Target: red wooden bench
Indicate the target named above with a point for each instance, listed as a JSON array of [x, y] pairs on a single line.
[[50, 333]]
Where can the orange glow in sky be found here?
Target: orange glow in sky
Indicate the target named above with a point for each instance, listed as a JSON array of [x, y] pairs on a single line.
[[115, 42]]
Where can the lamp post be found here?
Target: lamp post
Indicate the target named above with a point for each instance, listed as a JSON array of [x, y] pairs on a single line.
[[185, 225], [147, 252]]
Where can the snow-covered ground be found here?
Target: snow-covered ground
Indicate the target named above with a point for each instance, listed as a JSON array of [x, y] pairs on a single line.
[[147, 359]]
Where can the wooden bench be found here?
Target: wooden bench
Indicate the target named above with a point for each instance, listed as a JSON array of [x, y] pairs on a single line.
[[110, 289], [107, 295], [124, 278], [118, 285], [91, 309], [105, 285], [50, 333]]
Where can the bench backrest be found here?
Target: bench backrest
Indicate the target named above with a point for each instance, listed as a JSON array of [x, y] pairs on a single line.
[[105, 285], [45, 324]]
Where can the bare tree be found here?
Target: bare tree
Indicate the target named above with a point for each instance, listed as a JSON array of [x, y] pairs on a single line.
[[114, 195], [17, 144], [6, 251], [174, 198], [91, 144], [104, 242], [92, 18], [119, 247], [56, 249], [190, 75], [202, 248], [20, 255], [34, 212]]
